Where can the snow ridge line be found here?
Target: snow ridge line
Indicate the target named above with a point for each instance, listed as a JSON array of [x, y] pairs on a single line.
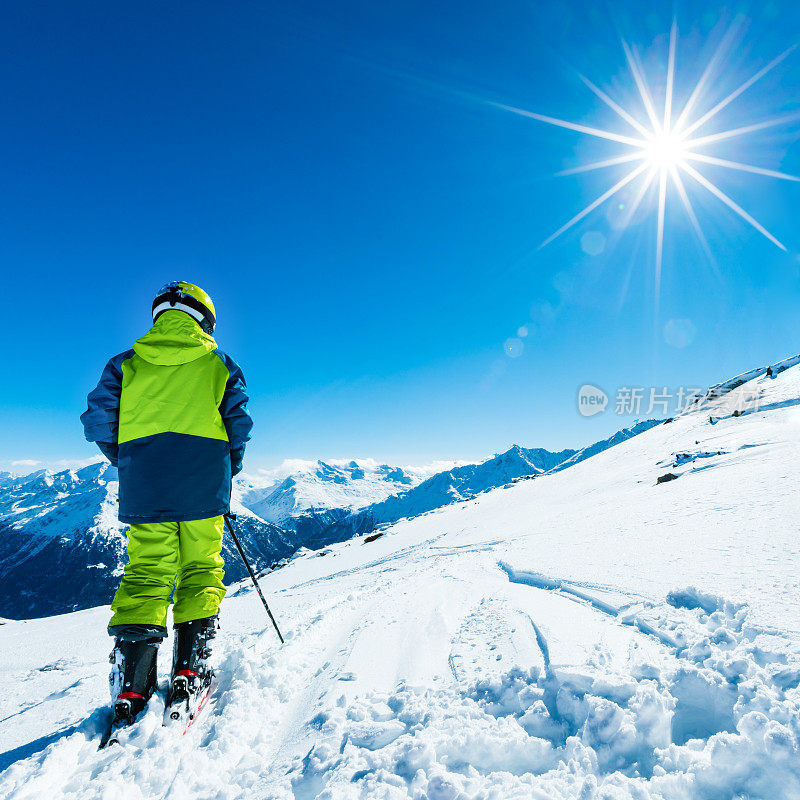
[[542, 642], [540, 581], [719, 389]]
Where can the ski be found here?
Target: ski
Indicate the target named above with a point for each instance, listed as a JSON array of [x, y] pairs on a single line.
[[185, 706], [108, 737], [121, 721], [111, 736]]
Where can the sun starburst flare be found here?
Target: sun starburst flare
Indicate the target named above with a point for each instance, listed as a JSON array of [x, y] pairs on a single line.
[[668, 146]]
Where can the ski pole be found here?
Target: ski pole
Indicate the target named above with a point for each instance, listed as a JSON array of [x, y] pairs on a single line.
[[228, 518]]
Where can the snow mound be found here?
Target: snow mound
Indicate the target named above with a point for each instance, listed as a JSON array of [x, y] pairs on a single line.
[[712, 724], [631, 718]]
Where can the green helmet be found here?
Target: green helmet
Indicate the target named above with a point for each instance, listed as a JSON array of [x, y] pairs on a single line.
[[185, 296]]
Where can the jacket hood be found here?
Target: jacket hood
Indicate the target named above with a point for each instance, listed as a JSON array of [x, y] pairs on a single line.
[[175, 338]]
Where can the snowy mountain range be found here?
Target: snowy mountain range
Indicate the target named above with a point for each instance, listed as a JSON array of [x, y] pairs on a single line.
[[62, 547], [63, 525], [300, 488], [623, 627], [468, 480]]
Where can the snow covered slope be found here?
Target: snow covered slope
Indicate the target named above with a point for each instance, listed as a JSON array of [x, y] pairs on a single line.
[[542, 640], [604, 444]]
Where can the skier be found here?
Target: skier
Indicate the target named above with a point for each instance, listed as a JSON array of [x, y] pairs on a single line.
[[171, 414]]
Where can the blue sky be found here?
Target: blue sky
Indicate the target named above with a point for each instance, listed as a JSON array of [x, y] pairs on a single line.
[[368, 223]]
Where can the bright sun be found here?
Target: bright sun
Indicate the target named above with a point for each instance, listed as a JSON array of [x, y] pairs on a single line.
[[664, 148]]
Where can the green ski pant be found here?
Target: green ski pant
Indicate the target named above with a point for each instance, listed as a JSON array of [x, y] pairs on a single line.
[[158, 552]]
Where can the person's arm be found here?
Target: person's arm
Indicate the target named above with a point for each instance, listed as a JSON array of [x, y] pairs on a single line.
[[235, 415], [101, 418]]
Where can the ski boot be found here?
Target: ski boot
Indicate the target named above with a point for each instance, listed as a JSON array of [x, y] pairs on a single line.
[[192, 675], [132, 681]]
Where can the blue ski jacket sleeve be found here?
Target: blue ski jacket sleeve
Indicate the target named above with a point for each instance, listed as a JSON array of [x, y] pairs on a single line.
[[233, 409], [101, 418]]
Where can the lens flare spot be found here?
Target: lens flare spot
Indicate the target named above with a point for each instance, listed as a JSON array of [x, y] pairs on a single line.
[[679, 332], [593, 243]]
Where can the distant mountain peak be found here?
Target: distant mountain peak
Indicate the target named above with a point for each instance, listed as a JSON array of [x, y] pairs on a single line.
[[312, 487]]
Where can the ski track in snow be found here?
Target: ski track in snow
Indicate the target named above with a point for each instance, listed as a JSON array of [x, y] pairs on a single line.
[[540, 641]]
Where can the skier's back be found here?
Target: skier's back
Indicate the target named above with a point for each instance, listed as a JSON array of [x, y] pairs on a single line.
[[171, 413]]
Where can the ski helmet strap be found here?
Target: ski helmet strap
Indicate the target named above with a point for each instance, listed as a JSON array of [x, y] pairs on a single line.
[[174, 298]]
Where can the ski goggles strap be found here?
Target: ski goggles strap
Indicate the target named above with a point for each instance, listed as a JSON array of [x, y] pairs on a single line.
[[174, 298]]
